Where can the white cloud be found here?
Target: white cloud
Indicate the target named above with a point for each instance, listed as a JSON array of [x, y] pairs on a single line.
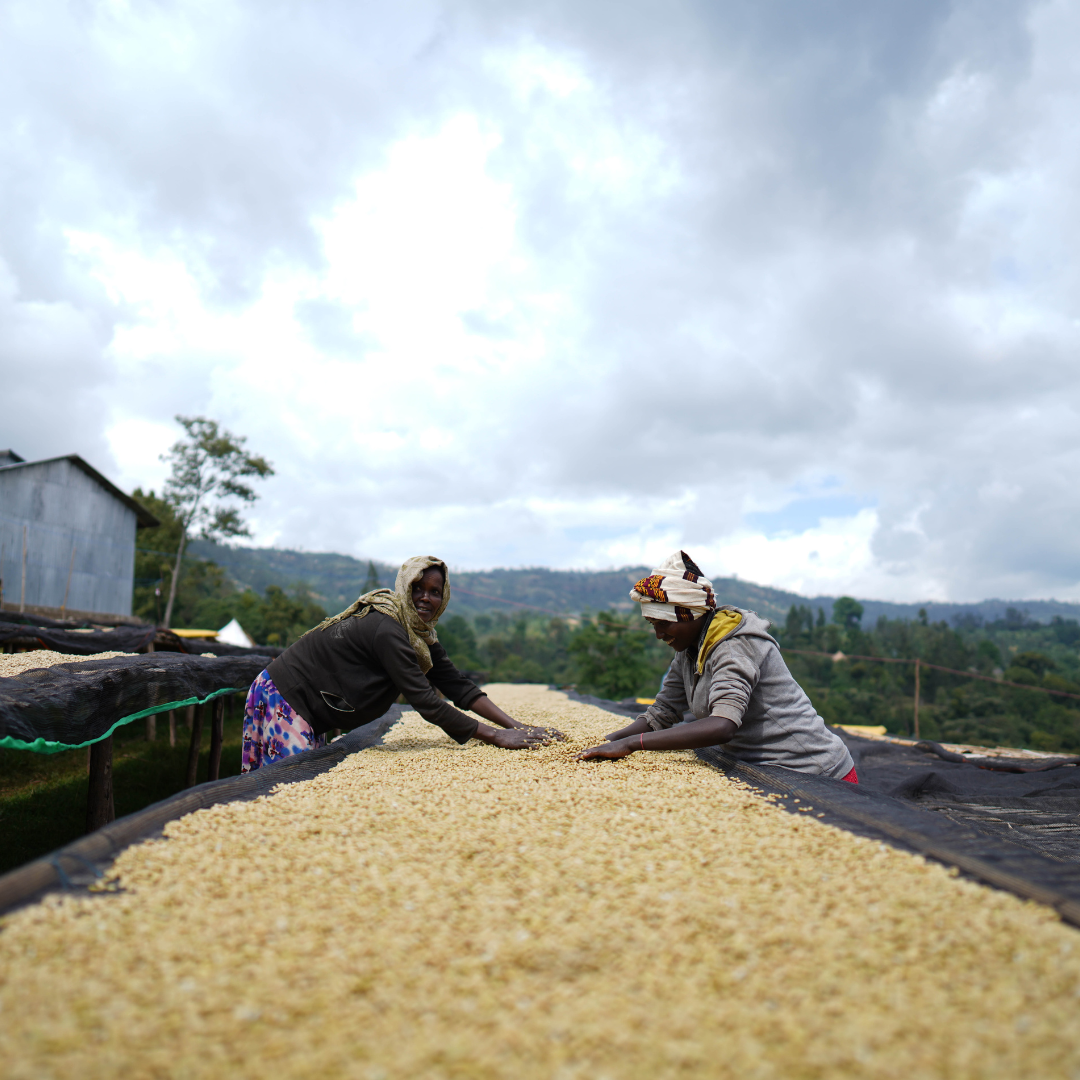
[[567, 284]]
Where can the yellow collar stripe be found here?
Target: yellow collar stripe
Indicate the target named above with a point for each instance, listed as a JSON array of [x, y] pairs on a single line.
[[723, 623]]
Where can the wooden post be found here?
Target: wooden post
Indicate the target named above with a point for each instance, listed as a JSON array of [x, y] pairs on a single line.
[[22, 597], [151, 728], [67, 587], [172, 727], [217, 737], [196, 744], [916, 697], [189, 717], [100, 809]]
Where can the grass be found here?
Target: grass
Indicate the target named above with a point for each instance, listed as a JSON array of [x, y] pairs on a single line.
[[43, 796]]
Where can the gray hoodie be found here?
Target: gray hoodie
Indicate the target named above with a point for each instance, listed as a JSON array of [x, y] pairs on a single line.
[[745, 679]]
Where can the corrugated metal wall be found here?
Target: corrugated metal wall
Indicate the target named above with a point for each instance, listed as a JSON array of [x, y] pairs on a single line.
[[62, 511]]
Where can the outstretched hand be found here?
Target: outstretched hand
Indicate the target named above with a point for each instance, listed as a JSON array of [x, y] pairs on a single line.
[[519, 738], [611, 751], [529, 734]]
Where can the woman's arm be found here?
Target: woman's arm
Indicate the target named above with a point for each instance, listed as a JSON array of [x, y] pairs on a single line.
[[465, 694], [707, 732], [636, 728], [485, 707]]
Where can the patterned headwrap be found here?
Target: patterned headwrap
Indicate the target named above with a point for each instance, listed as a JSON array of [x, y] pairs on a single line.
[[398, 604], [676, 591]]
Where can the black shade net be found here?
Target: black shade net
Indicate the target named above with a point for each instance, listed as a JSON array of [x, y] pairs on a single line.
[[1039, 809], [70, 705], [82, 641], [86, 641]]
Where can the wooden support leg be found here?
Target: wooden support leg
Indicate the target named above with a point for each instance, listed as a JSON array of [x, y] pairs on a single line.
[[217, 736], [196, 745], [151, 728], [172, 727], [189, 717], [100, 809]]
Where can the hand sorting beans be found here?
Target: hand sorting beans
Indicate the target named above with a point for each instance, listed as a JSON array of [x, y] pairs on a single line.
[[352, 666]]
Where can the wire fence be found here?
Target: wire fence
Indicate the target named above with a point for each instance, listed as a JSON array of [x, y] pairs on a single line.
[[839, 657], [919, 664]]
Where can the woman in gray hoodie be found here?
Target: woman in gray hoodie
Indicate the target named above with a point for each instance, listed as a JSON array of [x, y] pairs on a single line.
[[727, 672]]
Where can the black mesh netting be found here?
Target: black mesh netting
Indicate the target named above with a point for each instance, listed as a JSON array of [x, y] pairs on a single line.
[[26, 619], [1018, 831], [1039, 809], [86, 641], [75, 704], [82, 641]]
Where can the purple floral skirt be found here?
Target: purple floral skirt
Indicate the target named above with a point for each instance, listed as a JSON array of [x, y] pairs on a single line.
[[272, 730]]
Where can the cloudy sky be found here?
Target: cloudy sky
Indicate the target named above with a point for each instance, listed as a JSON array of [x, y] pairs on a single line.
[[793, 285]]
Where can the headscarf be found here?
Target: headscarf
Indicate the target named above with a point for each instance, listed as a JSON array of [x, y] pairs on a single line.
[[398, 604], [676, 591]]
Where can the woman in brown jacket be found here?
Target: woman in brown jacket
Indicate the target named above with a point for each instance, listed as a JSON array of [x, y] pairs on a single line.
[[351, 668]]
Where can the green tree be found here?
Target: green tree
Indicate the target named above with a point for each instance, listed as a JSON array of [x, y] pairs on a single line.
[[286, 618], [847, 612], [155, 553], [1065, 631], [372, 581], [611, 656], [1034, 662], [208, 466], [987, 656], [458, 638]]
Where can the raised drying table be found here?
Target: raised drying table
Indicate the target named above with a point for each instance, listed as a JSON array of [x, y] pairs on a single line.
[[77, 704]]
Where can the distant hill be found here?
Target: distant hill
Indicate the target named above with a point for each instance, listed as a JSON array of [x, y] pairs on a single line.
[[336, 580]]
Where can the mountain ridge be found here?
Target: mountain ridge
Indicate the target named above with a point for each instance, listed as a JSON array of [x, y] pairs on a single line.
[[336, 580]]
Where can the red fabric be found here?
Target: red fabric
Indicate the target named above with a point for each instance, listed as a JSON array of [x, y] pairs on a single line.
[[851, 778]]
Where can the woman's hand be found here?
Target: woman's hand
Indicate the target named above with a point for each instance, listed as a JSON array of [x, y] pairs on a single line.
[[516, 738], [485, 707], [611, 751]]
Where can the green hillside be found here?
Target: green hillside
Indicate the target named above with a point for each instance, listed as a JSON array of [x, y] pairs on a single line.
[[336, 580]]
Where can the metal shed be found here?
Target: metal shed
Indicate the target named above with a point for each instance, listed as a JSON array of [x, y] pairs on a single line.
[[67, 538]]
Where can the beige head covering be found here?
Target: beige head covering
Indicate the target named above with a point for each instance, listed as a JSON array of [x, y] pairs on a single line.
[[676, 591], [398, 604]]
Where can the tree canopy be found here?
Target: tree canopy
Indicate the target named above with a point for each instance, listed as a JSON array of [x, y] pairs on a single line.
[[209, 467]]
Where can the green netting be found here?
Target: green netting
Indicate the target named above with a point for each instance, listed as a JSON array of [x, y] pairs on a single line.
[[73, 705], [46, 746]]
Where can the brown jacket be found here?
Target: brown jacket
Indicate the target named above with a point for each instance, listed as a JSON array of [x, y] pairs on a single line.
[[350, 673]]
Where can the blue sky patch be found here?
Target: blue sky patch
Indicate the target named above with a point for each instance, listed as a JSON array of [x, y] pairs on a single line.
[[802, 514]]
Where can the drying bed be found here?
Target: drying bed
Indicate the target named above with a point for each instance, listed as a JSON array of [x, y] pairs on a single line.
[[59, 706], [429, 910]]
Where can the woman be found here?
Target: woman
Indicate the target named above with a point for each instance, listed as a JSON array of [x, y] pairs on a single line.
[[729, 673], [350, 669]]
